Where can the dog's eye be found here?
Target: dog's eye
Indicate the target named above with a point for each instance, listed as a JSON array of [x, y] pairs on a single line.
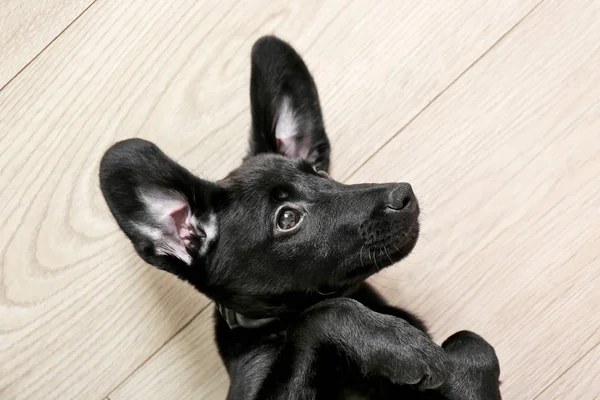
[[288, 219]]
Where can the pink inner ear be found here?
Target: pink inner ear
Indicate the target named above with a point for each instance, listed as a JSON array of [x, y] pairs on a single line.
[[176, 233], [184, 226], [290, 147], [286, 147], [290, 141]]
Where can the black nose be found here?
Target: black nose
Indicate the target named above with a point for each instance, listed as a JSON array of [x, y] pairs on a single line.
[[402, 198]]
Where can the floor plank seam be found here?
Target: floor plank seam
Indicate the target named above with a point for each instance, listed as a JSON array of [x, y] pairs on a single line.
[[436, 97], [559, 376], [141, 365], [47, 46]]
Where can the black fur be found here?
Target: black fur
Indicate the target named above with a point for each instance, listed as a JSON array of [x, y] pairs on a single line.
[[333, 336]]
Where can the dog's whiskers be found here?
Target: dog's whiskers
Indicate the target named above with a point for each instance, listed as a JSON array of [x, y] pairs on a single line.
[[388, 254], [361, 260], [375, 260]]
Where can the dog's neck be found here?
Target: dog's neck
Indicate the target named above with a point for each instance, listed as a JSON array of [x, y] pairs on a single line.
[[235, 319]]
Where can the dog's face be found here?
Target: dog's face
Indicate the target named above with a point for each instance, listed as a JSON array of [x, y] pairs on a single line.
[[277, 228]]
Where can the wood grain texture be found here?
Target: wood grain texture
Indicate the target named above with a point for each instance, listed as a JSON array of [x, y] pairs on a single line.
[[79, 312], [27, 26], [579, 382], [73, 294], [188, 367], [507, 166]]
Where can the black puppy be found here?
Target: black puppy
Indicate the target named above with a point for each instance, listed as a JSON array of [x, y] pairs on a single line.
[[284, 251]]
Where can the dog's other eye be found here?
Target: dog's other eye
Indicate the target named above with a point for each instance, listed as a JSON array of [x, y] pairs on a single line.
[[288, 219]]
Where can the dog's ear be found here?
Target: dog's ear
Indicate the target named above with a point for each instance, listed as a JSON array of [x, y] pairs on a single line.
[[164, 210], [286, 114]]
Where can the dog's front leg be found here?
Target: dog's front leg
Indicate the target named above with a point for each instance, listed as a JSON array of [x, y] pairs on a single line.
[[378, 344]]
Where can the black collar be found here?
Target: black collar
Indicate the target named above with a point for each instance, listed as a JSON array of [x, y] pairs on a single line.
[[237, 320]]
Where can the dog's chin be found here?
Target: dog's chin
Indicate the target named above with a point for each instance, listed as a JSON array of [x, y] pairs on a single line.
[[372, 259], [391, 251]]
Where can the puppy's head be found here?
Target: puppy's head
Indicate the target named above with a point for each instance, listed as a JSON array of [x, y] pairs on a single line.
[[278, 228]]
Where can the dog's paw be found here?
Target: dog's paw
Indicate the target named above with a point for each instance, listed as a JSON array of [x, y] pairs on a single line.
[[475, 368], [413, 359], [381, 345], [469, 351]]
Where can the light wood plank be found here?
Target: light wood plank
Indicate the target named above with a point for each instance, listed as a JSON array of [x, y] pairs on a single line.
[[78, 310], [27, 26], [507, 166], [376, 64], [579, 382], [189, 367], [74, 297]]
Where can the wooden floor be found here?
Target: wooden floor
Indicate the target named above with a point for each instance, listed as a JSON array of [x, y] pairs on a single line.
[[491, 109]]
